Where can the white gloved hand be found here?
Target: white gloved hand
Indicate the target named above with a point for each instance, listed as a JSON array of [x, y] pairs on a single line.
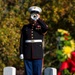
[[21, 56]]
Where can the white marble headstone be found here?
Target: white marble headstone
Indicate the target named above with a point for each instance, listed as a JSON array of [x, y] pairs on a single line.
[[50, 71], [9, 71]]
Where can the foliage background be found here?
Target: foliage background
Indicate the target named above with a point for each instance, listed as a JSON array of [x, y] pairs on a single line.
[[14, 14]]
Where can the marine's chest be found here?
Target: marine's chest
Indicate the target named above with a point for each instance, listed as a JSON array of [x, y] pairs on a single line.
[[32, 32]]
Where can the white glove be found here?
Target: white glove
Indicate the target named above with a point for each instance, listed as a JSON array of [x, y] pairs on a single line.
[[21, 56]]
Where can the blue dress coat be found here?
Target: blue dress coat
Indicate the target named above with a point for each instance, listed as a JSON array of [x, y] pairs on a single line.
[[31, 31]]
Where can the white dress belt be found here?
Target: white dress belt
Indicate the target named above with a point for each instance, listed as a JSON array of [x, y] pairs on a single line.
[[32, 41]]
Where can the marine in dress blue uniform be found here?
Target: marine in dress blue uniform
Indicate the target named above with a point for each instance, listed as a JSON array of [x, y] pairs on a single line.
[[31, 46]]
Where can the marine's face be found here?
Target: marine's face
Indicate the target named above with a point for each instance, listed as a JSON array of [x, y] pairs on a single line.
[[32, 21]]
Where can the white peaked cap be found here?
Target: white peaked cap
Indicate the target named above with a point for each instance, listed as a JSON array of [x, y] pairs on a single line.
[[35, 8]]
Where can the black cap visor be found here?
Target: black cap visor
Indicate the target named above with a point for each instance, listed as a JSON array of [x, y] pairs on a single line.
[[34, 12]]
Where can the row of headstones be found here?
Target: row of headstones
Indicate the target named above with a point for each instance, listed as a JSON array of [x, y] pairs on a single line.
[[12, 71]]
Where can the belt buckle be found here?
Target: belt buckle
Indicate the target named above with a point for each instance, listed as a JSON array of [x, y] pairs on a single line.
[[32, 41]]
